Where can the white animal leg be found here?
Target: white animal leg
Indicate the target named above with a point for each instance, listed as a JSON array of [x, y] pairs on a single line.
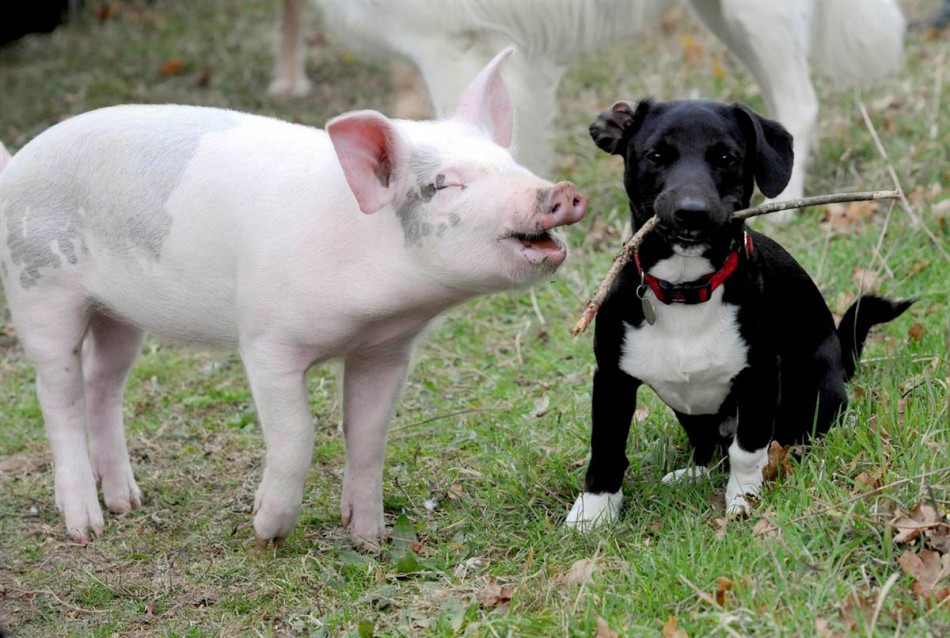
[[772, 40], [279, 387], [109, 350], [51, 330], [371, 385], [290, 76]]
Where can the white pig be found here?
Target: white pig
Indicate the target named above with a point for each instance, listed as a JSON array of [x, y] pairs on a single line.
[[297, 245]]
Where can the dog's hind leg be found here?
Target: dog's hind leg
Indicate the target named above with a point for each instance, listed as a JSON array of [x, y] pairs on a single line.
[[772, 40], [704, 434]]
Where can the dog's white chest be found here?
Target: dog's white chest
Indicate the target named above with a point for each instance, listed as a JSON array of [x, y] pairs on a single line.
[[689, 356]]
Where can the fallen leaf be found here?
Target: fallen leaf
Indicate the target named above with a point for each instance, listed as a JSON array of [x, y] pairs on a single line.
[[694, 51], [580, 572], [201, 79], [721, 523], [604, 630], [856, 605], [495, 595], [865, 279], [718, 70], [938, 538], [930, 570], [455, 491], [764, 528], [915, 332], [868, 481], [778, 458], [723, 586], [672, 630], [847, 218], [641, 413], [172, 67], [910, 526]]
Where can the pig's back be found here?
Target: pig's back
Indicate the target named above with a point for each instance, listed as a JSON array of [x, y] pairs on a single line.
[[127, 201]]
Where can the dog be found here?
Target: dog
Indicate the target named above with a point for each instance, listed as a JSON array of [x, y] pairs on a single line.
[[723, 323], [850, 42]]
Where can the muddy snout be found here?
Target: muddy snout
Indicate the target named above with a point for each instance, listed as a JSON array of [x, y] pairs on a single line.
[[561, 205]]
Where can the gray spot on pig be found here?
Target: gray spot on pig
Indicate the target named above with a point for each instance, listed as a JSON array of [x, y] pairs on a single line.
[[62, 200], [454, 219], [412, 212]]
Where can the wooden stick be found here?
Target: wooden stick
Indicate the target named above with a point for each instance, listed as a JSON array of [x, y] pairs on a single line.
[[633, 244]]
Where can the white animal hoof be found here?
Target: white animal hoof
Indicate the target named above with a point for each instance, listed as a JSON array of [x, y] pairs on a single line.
[[591, 511], [289, 87], [686, 475]]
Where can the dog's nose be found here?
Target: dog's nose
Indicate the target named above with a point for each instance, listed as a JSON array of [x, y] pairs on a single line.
[[692, 213]]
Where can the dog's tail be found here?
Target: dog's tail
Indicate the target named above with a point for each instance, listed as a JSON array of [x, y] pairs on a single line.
[[857, 321], [5, 157], [857, 42]]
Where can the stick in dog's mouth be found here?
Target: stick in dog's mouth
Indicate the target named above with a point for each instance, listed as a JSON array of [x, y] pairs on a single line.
[[632, 244]]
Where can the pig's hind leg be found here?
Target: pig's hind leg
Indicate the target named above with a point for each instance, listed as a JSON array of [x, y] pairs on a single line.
[[51, 325], [109, 350]]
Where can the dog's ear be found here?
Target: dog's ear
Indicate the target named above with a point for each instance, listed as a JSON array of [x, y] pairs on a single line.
[[612, 129], [773, 149]]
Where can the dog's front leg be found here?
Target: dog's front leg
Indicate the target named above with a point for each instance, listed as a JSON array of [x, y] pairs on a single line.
[[371, 385], [613, 403], [757, 393]]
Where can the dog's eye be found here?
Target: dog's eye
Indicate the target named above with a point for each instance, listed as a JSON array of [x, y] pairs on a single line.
[[723, 160], [656, 157]]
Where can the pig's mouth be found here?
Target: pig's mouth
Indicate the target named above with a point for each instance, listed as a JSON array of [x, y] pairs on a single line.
[[540, 246]]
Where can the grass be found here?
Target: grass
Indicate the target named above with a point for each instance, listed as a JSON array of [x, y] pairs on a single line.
[[472, 433]]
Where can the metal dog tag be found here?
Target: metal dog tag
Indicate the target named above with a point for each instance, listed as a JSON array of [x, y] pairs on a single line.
[[648, 312]]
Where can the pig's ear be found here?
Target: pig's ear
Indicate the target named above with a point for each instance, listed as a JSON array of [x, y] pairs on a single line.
[[486, 103], [612, 129], [369, 148]]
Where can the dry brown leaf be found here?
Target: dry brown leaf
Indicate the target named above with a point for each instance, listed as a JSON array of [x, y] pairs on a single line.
[[931, 573], [641, 413], [672, 629], [604, 630], [201, 79], [938, 538], [172, 67], [455, 491], [694, 51], [778, 458], [580, 572], [856, 605], [915, 332], [721, 523], [909, 527], [868, 481], [495, 595], [764, 528], [865, 279], [723, 586], [846, 218]]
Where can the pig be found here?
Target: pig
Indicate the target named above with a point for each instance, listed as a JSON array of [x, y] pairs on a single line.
[[296, 245]]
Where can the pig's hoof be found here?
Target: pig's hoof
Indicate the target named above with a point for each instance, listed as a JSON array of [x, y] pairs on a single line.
[[591, 511], [82, 524], [285, 88], [262, 543], [271, 526], [78, 502], [120, 492]]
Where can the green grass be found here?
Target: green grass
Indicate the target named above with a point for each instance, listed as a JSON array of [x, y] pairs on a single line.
[[466, 432]]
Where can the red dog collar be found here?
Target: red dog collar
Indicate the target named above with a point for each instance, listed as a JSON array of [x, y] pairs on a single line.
[[700, 290]]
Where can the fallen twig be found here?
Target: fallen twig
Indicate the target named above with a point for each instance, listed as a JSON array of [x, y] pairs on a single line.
[[633, 244]]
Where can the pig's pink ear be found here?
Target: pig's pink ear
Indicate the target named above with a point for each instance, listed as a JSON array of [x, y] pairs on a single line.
[[369, 148], [486, 103]]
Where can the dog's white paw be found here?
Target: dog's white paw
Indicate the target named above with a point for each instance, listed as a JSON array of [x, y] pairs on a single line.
[[686, 475], [745, 479], [591, 511]]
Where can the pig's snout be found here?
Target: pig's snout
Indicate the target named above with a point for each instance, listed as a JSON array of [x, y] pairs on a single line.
[[565, 205]]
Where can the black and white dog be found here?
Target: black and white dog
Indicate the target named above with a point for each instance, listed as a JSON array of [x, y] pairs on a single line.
[[723, 324]]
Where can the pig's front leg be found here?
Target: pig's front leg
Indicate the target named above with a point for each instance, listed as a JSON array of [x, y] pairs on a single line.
[[278, 383], [371, 385]]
